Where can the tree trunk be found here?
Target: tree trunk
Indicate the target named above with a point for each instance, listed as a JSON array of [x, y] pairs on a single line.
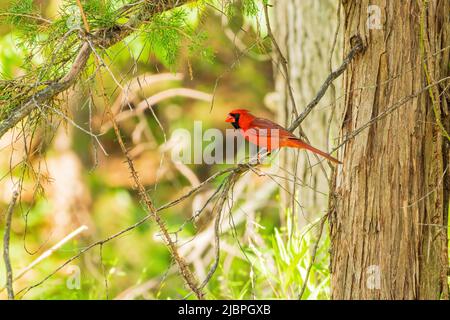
[[389, 226], [307, 49]]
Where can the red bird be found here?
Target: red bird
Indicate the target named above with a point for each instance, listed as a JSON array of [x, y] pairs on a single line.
[[267, 134]]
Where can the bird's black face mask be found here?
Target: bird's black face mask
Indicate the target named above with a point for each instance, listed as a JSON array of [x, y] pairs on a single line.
[[235, 124]]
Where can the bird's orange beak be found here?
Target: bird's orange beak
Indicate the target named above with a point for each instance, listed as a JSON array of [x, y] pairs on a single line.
[[230, 119]]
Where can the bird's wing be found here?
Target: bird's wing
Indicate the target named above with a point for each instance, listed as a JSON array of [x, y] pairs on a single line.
[[263, 128]]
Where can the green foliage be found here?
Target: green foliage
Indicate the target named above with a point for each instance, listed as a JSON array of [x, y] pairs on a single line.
[[52, 44], [20, 16], [197, 47], [20, 13], [166, 33], [247, 7], [276, 268], [99, 13]]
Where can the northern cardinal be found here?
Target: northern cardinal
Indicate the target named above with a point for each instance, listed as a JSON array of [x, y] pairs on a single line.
[[267, 134]]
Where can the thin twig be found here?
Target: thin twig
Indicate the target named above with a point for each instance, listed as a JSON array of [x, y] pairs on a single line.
[[6, 237], [49, 252], [150, 102], [284, 63], [282, 59], [330, 67], [220, 207], [23, 15], [128, 229], [105, 275], [313, 257], [182, 266], [388, 110], [357, 48]]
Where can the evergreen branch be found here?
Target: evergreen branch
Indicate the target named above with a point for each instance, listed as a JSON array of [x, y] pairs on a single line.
[[103, 38], [23, 15]]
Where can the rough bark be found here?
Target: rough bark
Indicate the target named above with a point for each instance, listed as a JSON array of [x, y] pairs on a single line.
[[307, 49], [389, 226]]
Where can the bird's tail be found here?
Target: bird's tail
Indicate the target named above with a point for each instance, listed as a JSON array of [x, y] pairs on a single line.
[[297, 143]]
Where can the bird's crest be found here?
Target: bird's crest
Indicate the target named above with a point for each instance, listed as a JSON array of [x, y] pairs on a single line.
[[240, 111]]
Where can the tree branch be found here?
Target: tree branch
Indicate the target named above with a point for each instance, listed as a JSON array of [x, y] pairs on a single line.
[[9, 273], [103, 38], [357, 47]]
